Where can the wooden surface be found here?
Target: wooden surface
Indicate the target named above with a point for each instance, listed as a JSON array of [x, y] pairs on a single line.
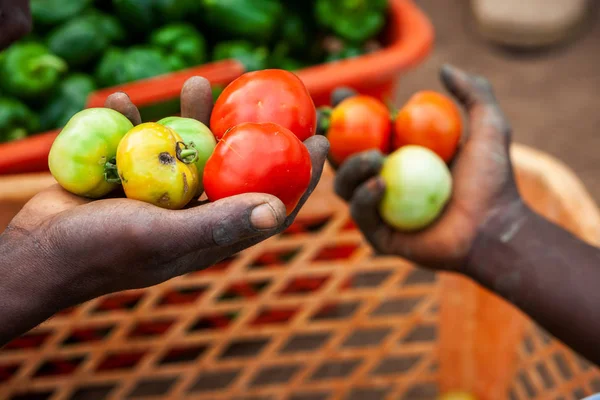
[[311, 314]]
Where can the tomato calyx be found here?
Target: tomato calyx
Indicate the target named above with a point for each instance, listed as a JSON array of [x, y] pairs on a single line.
[[187, 154], [111, 175]]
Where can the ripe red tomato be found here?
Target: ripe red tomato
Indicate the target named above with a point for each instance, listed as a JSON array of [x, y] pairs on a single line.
[[431, 120], [357, 124], [273, 95], [259, 158]]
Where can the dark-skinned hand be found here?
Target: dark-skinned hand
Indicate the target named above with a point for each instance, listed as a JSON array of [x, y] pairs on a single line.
[[70, 249], [483, 182]]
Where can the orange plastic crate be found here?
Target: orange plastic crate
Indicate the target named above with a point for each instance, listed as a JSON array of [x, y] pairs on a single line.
[[409, 38], [309, 314]]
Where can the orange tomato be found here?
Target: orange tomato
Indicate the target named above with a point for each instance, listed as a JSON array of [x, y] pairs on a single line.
[[357, 124], [431, 120]]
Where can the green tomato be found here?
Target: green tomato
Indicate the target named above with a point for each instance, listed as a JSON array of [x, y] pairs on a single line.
[[196, 134], [81, 151], [418, 186]]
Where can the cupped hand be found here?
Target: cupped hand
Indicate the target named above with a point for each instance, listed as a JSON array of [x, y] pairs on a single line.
[[90, 248], [483, 179]]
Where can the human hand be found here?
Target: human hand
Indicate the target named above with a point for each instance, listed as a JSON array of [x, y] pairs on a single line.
[[15, 21], [84, 249], [483, 180]]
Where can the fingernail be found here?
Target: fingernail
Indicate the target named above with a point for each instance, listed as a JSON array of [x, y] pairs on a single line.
[[264, 217]]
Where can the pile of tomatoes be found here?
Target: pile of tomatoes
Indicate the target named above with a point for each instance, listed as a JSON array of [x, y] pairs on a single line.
[[419, 140], [254, 144]]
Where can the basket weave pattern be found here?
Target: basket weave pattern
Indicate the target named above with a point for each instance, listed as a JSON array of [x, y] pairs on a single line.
[[311, 314], [548, 370]]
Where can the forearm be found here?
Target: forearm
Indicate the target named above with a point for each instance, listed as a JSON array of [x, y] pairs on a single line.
[[30, 290], [544, 270]]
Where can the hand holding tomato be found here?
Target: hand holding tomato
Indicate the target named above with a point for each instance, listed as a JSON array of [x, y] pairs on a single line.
[[72, 249], [483, 185]]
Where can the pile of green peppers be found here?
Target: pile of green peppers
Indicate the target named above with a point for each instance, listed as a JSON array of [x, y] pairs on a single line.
[[79, 46]]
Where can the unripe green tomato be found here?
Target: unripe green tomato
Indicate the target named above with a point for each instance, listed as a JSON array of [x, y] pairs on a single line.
[[196, 134], [418, 186], [80, 152]]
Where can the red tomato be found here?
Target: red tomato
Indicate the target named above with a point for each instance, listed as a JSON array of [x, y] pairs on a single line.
[[357, 124], [273, 95], [431, 120], [259, 158]]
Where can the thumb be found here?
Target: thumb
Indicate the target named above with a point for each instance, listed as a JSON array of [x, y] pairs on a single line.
[[471, 90], [196, 99], [225, 222], [487, 121], [121, 102]]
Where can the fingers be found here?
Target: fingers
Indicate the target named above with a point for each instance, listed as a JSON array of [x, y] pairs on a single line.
[[486, 118], [223, 222], [120, 102], [197, 100], [318, 147], [356, 171], [364, 209], [470, 90]]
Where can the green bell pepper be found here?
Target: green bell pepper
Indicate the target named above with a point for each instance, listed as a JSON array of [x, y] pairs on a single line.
[[143, 16], [196, 134], [16, 120], [83, 39], [29, 70], [69, 98], [47, 13], [281, 58], [294, 32], [139, 15], [254, 58], [254, 20], [120, 66], [184, 45], [353, 20]]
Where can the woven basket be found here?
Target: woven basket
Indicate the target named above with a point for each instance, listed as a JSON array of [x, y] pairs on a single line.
[[311, 314]]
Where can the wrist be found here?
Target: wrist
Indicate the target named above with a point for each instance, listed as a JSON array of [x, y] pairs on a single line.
[[494, 240], [32, 289]]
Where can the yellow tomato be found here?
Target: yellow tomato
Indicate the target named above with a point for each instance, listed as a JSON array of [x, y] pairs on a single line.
[[156, 167]]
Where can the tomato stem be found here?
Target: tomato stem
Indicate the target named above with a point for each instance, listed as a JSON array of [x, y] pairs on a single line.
[[111, 174], [188, 154]]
